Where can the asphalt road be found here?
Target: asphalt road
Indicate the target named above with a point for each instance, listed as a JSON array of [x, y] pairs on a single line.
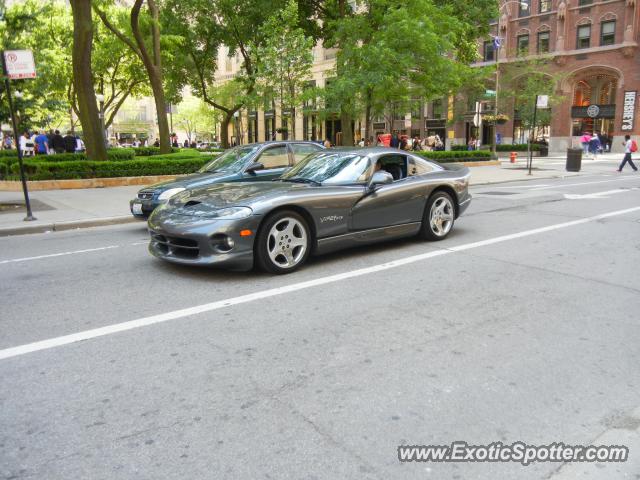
[[505, 331]]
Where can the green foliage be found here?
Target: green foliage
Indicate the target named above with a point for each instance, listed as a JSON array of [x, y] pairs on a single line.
[[285, 58], [149, 151], [457, 156], [172, 164]]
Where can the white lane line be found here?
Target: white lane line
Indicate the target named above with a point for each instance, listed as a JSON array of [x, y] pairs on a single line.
[[560, 186], [62, 254], [208, 307]]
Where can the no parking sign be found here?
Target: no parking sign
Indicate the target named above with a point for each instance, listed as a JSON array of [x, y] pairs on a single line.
[[19, 64]]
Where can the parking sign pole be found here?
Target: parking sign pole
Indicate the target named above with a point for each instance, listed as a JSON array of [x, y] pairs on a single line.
[[23, 178]]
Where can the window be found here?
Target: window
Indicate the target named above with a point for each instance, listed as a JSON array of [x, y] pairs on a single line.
[[582, 3], [396, 165], [584, 36], [274, 157], [543, 42], [524, 8], [608, 33], [416, 108], [417, 166], [545, 6], [437, 109], [488, 54], [301, 150], [523, 45]]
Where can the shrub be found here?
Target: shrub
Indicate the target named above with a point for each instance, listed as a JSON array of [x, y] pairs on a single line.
[[518, 147], [457, 156], [150, 151], [8, 153], [37, 170], [458, 148]]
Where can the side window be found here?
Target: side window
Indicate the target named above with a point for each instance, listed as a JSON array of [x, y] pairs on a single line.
[[301, 150], [396, 165], [417, 166], [275, 157]]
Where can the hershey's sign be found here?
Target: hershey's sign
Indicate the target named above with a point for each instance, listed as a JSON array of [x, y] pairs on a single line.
[[628, 111]]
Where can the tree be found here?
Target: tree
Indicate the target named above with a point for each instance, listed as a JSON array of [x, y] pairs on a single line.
[[151, 57], [209, 27], [284, 59], [83, 79], [196, 118]]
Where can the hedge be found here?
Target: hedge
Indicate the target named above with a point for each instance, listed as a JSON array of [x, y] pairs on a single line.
[[115, 154], [518, 147], [150, 151], [457, 156], [92, 169]]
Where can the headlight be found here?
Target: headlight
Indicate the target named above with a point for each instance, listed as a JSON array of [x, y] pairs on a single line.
[[231, 213], [167, 194]]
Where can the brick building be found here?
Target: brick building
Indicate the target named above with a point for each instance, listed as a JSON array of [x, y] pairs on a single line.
[[595, 44]]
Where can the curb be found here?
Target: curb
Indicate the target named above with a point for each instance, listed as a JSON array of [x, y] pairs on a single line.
[[73, 184], [70, 225]]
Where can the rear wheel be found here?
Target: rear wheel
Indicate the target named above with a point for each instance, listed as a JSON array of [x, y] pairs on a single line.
[[283, 243], [438, 217]]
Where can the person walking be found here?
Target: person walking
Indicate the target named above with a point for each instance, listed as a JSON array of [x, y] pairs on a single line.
[[57, 142], [42, 143], [584, 140], [79, 145], [69, 142], [395, 141], [594, 146], [629, 147]]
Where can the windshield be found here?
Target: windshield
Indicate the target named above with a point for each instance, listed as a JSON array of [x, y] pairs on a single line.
[[335, 168], [230, 161]]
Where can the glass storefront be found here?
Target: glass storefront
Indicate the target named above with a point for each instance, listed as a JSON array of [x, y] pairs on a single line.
[[594, 105]]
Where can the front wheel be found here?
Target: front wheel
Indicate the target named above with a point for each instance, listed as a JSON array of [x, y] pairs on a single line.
[[438, 217], [283, 243]]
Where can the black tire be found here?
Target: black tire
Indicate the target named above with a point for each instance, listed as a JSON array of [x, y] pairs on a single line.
[[430, 232], [272, 253]]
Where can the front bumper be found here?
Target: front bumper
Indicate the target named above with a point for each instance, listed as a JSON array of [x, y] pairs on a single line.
[[146, 207], [190, 240]]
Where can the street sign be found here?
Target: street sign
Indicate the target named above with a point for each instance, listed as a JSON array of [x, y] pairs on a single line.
[[490, 93], [19, 64], [629, 110], [543, 101]]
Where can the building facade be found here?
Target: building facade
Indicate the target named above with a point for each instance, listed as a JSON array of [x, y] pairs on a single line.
[[593, 44]]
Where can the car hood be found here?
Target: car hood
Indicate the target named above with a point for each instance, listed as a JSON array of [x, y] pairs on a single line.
[[193, 180], [224, 195]]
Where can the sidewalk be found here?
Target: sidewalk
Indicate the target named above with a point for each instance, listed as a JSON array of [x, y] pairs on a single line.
[[57, 210]]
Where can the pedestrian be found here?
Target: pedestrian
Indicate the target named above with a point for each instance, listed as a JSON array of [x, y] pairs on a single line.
[[594, 146], [472, 144], [7, 143], [584, 140], [403, 143], [395, 141], [630, 146], [57, 142], [327, 143], [24, 140], [79, 145], [42, 143], [156, 143], [416, 144], [69, 142]]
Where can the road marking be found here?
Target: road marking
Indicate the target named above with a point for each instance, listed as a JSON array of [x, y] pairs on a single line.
[[597, 195], [220, 304], [62, 254], [584, 183]]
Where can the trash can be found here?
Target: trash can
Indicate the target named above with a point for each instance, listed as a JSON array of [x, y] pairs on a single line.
[[574, 159], [544, 150]]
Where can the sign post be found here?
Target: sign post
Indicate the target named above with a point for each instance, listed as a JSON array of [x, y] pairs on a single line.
[[18, 64]]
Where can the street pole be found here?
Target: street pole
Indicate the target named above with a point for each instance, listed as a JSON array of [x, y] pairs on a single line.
[[23, 178], [533, 126], [494, 141]]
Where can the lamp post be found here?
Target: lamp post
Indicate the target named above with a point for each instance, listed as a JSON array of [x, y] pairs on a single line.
[[497, 44], [100, 99]]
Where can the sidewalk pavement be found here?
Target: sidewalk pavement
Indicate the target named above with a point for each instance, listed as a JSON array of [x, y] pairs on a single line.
[[57, 210]]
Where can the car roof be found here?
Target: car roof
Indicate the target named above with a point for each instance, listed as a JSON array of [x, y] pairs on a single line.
[[280, 142], [370, 150]]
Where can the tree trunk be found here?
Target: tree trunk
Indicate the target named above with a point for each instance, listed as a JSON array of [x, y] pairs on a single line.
[[224, 129], [83, 80], [347, 130]]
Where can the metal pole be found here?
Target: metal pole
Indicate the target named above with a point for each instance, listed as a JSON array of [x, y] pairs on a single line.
[[494, 146], [533, 126], [23, 178]]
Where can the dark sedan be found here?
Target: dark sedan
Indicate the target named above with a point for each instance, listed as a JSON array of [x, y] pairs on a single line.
[[246, 163], [332, 199]]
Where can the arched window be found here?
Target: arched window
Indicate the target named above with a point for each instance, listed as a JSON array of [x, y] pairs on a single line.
[[597, 91]]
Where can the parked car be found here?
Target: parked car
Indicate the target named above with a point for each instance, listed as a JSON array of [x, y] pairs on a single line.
[[330, 200], [246, 163]]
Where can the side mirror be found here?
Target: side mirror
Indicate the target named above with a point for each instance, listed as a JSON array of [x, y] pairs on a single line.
[[381, 177], [253, 167]]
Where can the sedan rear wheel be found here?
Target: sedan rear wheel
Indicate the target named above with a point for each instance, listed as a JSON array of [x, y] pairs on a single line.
[[439, 216], [283, 243]]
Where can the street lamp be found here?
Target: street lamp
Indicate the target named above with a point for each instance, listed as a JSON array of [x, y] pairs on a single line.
[[100, 99], [497, 43]]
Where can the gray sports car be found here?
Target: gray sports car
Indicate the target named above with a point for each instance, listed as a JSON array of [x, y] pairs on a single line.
[[332, 199]]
